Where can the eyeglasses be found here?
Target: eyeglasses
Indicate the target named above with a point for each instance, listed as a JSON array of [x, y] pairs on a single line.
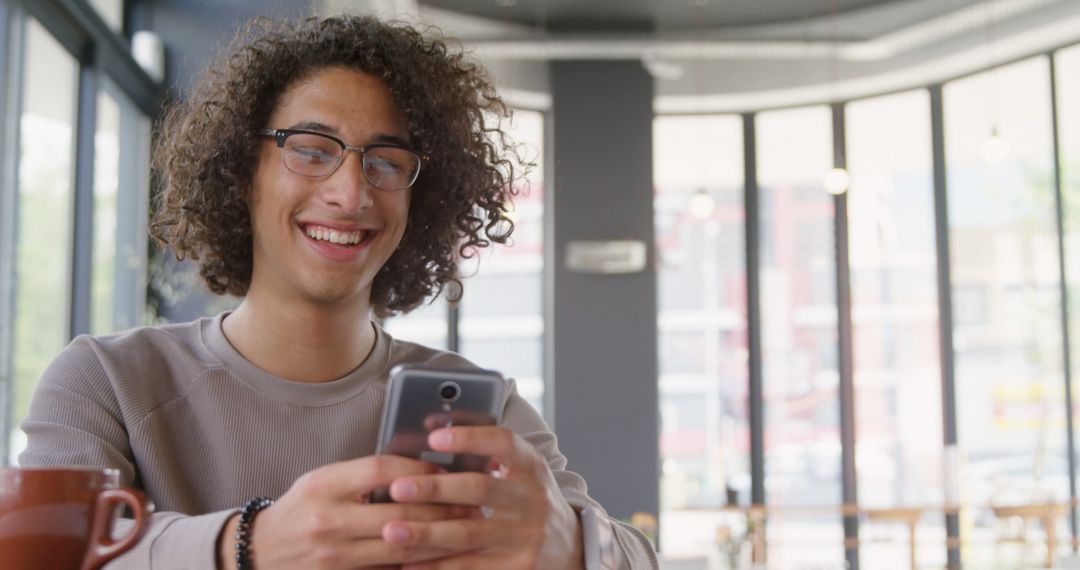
[[317, 155]]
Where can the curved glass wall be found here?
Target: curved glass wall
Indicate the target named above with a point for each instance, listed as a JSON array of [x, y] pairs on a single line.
[[700, 228], [799, 337], [1067, 75], [897, 375], [501, 315], [1006, 296]]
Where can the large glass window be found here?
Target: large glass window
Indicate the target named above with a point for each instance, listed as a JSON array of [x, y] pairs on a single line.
[[44, 204], [1068, 98], [500, 317], [121, 156], [1005, 286], [700, 229], [426, 324], [501, 322], [895, 318], [799, 338]]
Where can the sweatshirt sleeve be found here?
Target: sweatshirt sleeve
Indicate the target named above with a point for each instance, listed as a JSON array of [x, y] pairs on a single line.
[[75, 420], [174, 541], [631, 549]]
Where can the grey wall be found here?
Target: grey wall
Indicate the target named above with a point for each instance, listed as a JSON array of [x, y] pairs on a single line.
[[602, 332], [195, 30]]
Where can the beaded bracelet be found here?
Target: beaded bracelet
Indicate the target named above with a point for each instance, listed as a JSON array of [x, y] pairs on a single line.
[[243, 531]]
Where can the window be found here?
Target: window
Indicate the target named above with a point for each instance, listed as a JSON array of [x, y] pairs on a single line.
[[44, 212], [500, 317], [895, 319], [426, 324], [1009, 369], [37, 217], [1068, 86], [700, 229], [121, 159], [799, 336], [501, 313]]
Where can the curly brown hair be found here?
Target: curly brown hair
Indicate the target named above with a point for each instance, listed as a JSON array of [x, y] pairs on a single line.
[[205, 151]]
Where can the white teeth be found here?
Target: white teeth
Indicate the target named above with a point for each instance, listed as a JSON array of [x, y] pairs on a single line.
[[333, 236]]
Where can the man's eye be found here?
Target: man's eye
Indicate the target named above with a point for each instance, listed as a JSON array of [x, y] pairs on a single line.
[[313, 154], [384, 165]]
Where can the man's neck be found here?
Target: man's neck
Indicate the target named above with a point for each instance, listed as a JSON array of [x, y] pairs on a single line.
[[305, 343]]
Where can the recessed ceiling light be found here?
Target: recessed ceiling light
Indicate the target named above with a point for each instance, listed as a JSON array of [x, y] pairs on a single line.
[[506, 3]]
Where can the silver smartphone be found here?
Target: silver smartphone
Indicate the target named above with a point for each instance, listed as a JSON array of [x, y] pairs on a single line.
[[421, 399]]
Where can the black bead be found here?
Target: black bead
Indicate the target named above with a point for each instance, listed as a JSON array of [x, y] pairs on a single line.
[[244, 531]]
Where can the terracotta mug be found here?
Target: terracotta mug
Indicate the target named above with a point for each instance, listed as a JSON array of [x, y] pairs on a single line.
[[62, 517]]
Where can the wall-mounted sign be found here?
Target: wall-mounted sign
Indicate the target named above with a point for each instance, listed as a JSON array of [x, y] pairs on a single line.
[[606, 257]]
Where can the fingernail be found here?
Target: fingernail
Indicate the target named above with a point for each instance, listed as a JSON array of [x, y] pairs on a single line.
[[441, 438], [403, 489], [396, 534]]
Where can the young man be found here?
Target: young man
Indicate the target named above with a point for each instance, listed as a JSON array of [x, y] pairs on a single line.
[[326, 172]]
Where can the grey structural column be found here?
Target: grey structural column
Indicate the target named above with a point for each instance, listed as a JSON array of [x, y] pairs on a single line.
[[603, 382], [945, 328]]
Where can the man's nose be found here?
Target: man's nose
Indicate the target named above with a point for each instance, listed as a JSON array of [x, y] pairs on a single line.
[[348, 188]]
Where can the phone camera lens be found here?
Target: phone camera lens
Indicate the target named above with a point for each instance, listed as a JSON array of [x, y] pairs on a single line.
[[449, 391]]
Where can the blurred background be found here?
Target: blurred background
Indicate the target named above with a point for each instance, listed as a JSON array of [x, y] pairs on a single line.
[[794, 278]]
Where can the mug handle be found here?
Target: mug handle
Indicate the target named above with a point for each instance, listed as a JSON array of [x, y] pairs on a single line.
[[103, 547]]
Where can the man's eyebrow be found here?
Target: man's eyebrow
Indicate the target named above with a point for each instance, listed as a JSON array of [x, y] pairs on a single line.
[[314, 126], [327, 129], [391, 139]]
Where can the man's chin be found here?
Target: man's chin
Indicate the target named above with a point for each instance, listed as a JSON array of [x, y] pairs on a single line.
[[336, 295]]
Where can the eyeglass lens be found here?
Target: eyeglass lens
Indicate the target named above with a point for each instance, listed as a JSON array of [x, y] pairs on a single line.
[[389, 168]]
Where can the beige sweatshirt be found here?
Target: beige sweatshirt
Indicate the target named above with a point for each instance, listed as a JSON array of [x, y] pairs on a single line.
[[200, 429]]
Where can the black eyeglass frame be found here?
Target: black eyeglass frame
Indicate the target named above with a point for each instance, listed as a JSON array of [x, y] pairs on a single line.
[[280, 135]]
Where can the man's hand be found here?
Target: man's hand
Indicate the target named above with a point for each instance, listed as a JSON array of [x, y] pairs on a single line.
[[526, 523], [324, 521]]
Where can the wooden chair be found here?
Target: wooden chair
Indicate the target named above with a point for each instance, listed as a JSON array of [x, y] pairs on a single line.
[[910, 516], [1013, 523]]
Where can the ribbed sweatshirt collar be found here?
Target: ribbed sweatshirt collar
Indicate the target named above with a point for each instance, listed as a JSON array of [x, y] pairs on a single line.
[[372, 369]]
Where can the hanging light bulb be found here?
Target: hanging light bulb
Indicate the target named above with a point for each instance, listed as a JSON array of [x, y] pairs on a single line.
[[702, 204], [511, 213], [995, 148], [836, 181]]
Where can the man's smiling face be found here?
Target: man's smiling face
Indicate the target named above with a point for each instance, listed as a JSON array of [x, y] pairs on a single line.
[[323, 240]]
